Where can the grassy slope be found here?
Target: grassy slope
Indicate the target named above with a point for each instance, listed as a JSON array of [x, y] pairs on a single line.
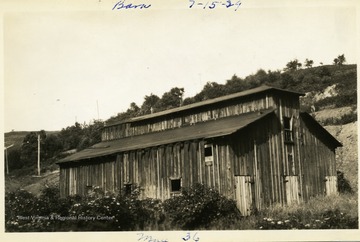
[[16, 138], [347, 156], [23, 179], [320, 77]]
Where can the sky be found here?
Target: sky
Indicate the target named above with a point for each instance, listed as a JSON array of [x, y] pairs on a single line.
[[66, 63]]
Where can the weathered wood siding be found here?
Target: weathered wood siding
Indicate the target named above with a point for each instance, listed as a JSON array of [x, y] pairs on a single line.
[[331, 185], [319, 162], [258, 153], [276, 169], [176, 120], [80, 177], [254, 152], [244, 200], [152, 170]]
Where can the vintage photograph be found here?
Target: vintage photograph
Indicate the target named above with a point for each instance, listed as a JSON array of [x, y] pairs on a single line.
[[189, 116]]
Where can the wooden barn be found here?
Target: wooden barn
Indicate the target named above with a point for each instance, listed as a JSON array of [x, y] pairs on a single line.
[[255, 147]]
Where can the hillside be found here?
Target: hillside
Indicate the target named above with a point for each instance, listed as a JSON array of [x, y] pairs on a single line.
[[347, 156], [15, 138], [331, 98], [32, 183]]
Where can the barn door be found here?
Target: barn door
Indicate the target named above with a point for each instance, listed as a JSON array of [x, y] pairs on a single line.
[[330, 185], [292, 189], [243, 194]]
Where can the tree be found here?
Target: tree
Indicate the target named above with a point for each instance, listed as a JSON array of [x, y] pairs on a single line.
[[91, 134], [261, 76], [14, 159], [171, 99], [52, 146], [235, 84], [322, 71], [149, 104], [71, 136], [133, 110], [308, 63], [340, 60], [274, 78], [94, 131], [29, 148], [189, 100], [292, 65], [286, 80], [256, 80]]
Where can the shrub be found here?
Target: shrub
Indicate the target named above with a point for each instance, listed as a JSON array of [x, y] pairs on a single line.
[[334, 219], [338, 101], [120, 213], [343, 184], [199, 207], [19, 207], [95, 212], [345, 119]]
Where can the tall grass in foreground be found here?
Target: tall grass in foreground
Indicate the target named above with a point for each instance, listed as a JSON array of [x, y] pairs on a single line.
[[322, 212], [345, 203], [196, 208]]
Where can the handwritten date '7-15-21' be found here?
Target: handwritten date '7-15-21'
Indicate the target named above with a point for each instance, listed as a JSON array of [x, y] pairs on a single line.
[[214, 4]]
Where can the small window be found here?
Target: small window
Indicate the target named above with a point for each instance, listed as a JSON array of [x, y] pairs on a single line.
[[208, 150], [290, 155], [288, 133], [286, 122], [175, 185]]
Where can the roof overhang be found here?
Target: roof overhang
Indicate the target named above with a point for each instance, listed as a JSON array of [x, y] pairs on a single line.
[[202, 130], [246, 93], [320, 130]]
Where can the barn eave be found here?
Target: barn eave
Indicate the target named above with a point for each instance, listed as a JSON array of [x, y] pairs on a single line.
[[203, 130]]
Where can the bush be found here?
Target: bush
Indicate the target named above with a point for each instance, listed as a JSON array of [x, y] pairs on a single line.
[[200, 207], [343, 184], [25, 212], [19, 206], [345, 119], [338, 101]]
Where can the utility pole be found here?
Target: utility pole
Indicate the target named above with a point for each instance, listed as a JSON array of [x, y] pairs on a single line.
[[7, 159], [38, 155], [97, 106]]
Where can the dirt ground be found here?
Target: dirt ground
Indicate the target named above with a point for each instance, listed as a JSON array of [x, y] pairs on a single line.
[[334, 113], [31, 183]]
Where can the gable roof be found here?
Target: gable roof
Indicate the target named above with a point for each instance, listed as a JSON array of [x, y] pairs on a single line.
[[319, 130], [209, 129], [263, 88]]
